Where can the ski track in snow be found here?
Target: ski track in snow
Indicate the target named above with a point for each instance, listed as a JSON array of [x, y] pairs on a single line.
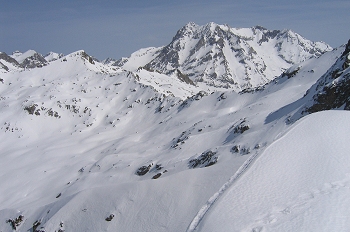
[[202, 212], [298, 205], [301, 203]]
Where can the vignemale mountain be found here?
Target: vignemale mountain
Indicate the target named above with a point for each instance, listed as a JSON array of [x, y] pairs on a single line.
[[177, 138], [221, 56]]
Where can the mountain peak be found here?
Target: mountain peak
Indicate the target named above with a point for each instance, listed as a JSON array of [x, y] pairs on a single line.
[[347, 49], [237, 58], [52, 56], [186, 30], [261, 28], [29, 59]]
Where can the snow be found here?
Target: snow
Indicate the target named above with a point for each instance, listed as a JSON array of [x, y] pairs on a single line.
[[20, 57], [140, 58], [51, 56], [232, 58], [299, 183], [72, 160]]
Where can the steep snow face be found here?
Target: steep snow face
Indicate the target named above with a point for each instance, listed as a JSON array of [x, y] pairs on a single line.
[[299, 183], [221, 56], [137, 59]]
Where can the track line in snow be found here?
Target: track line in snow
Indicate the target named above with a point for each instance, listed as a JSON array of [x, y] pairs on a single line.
[[201, 213]]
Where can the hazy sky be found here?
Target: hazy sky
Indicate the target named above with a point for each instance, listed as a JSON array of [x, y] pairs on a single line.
[[112, 28]]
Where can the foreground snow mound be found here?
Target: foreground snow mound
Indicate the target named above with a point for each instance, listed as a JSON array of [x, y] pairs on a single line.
[[299, 183]]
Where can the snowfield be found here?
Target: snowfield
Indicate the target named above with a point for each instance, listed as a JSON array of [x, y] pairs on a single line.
[[301, 182], [119, 146]]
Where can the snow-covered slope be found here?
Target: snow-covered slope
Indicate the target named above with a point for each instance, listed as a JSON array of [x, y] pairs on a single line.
[[299, 183], [137, 59], [88, 146], [51, 56], [221, 56]]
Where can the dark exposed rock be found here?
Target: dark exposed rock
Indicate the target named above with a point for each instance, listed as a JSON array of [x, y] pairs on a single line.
[[235, 149], [31, 109], [206, 159], [291, 73], [347, 49], [15, 222], [4, 67], [188, 101], [158, 167], [34, 61], [242, 150], [181, 139], [88, 58], [184, 78], [36, 224], [7, 58], [239, 129], [143, 170], [157, 176], [332, 97], [332, 90], [109, 218], [222, 97]]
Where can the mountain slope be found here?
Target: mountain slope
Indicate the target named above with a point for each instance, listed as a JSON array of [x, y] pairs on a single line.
[[86, 132], [88, 146], [332, 90]]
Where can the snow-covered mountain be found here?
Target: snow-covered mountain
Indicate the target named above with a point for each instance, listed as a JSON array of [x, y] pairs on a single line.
[[51, 56], [7, 63], [105, 146], [29, 59], [221, 56]]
